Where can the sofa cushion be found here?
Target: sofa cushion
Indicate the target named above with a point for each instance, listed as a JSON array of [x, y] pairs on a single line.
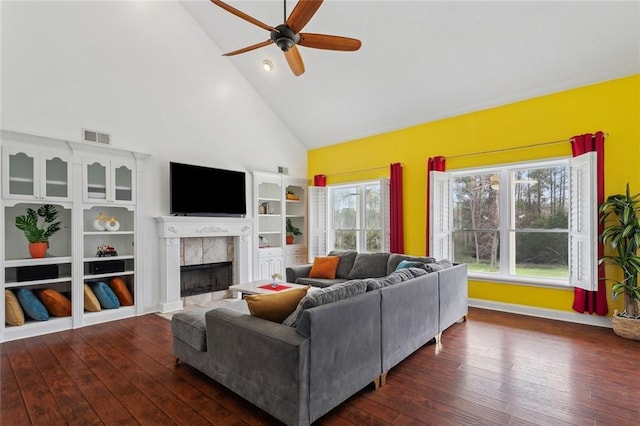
[[319, 282], [13, 313], [325, 295], [347, 258], [376, 283], [190, 327], [275, 306], [439, 265], [31, 305], [369, 265], [396, 258], [56, 303], [408, 273], [324, 267]]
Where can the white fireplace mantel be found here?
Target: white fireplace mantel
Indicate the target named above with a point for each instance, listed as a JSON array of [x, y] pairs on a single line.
[[173, 228]]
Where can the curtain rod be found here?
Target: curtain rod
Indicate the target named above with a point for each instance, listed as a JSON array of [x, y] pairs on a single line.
[[361, 171], [473, 154]]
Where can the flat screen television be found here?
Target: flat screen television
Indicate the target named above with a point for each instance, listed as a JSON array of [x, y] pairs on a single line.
[[206, 191]]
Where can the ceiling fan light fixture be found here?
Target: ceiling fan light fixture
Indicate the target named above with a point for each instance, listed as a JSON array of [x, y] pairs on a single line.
[[284, 37], [284, 43], [267, 65]]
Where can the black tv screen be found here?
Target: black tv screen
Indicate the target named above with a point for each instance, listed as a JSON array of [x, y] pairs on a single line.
[[206, 191]]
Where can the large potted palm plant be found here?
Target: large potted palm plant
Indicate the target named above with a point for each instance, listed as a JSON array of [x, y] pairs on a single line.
[[619, 214]]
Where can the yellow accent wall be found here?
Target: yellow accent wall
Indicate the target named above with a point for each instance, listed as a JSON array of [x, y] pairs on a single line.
[[611, 106]]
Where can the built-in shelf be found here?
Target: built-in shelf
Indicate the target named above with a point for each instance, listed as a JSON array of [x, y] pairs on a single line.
[[81, 180]]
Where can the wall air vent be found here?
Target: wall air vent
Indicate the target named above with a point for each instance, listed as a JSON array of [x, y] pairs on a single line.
[[95, 137], [283, 170]]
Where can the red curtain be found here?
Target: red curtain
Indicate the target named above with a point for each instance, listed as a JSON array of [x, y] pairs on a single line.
[[437, 163], [396, 213], [320, 180], [584, 300]]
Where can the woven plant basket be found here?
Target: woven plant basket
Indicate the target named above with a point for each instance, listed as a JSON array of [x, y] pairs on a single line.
[[628, 328]]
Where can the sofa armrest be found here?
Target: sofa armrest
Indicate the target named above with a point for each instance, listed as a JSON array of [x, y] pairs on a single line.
[[292, 273], [265, 362], [454, 294]]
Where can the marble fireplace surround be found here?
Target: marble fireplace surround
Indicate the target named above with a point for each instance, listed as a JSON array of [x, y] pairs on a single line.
[[173, 228]]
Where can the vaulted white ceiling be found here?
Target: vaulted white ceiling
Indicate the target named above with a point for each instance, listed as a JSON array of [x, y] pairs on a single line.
[[425, 60]]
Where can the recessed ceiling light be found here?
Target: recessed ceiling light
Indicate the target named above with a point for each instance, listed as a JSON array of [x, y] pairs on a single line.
[[267, 65]]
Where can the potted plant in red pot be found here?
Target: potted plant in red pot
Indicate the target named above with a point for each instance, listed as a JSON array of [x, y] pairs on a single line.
[[38, 226]]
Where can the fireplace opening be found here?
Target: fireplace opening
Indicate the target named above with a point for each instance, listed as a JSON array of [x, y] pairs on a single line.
[[205, 278]]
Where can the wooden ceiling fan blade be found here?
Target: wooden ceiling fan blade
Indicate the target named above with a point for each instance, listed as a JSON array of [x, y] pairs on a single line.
[[294, 60], [329, 42], [302, 14], [249, 48], [243, 15]]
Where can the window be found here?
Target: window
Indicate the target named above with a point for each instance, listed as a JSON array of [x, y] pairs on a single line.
[[349, 217], [531, 222]]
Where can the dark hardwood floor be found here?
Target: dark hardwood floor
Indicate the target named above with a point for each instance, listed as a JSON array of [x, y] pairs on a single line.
[[494, 369]]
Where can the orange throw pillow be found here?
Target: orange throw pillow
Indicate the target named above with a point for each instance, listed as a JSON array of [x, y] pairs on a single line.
[[122, 291], [324, 267], [56, 303]]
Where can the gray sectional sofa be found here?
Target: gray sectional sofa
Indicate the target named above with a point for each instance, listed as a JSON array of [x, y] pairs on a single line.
[[340, 339]]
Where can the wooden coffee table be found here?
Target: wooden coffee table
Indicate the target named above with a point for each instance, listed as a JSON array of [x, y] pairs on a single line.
[[253, 287]]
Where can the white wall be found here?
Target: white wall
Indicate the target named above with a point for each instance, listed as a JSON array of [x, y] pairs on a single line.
[[144, 72]]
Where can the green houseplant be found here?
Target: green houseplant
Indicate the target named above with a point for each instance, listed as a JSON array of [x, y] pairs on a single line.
[[38, 226], [619, 213], [292, 231]]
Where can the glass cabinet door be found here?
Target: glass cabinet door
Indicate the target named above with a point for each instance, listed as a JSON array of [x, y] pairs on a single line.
[[36, 175], [123, 178], [110, 181], [56, 183], [96, 182], [22, 175]]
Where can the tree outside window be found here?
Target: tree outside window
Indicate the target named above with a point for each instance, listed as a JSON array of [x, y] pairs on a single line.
[[512, 221]]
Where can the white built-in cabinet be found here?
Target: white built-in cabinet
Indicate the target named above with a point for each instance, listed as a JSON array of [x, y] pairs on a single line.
[[82, 180], [278, 199]]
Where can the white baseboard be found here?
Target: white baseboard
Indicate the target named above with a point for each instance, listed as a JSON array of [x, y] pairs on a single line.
[[553, 314]]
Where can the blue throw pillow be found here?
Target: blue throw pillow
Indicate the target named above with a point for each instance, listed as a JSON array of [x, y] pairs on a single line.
[[410, 264], [106, 296], [31, 305]]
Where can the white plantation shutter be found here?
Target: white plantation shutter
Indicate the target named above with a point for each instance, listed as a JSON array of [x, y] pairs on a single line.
[[440, 215], [317, 222], [583, 226], [385, 212]]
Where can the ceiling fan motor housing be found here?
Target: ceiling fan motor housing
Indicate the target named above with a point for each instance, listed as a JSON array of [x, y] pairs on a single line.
[[284, 37]]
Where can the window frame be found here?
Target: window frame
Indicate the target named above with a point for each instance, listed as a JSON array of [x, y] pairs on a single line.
[[582, 226], [361, 213], [321, 231]]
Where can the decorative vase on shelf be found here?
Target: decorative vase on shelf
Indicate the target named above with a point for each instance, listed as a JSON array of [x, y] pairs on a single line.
[[112, 224], [100, 223]]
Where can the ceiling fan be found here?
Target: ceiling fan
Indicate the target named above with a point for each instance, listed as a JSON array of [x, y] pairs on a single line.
[[286, 36]]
